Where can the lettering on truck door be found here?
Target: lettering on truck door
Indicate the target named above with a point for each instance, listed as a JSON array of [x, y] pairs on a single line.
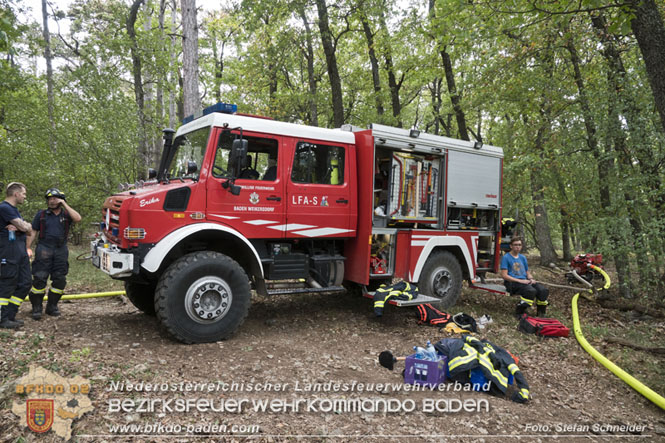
[[319, 191], [258, 211]]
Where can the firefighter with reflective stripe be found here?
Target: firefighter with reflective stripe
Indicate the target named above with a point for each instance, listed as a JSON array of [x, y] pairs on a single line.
[[51, 256], [507, 226], [497, 364], [518, 280], [401, 291], [14, 260]]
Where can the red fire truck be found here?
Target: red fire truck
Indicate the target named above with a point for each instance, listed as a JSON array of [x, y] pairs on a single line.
[[243, 202]]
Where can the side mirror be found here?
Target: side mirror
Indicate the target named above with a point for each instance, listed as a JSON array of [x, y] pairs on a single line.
[[238, 155], [231, 186], [152, 173], [192, 167]]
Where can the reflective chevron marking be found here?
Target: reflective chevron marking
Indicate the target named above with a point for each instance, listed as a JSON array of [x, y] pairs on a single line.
[[228, 217], [260, 222], [290, 227], [320, 232]]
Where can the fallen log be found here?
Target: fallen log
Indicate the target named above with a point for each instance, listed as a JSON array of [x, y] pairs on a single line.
[[629, 344], [629, 305]]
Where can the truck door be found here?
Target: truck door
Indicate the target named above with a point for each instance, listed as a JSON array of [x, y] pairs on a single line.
[[258, 210], [322, 198]]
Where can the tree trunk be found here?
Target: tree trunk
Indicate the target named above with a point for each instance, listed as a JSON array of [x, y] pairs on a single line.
[[454, 96], [272, 83], [605, 168], [190, 58], [173, 71], [541, 222], [49, 83], [565, 219], [628, 110], [650, 35], [393, 84], [435, 92], [159, 96], [450, 81], [148, 99], [374, 63], [602, 165], [218, 55], [142, 147], [311, 78], [616, 139], [565, 237], [537, 167], [331, 62]]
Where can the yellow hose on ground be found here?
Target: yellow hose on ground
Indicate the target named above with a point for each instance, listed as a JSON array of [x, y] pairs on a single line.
[[623, 375], [87, 295]]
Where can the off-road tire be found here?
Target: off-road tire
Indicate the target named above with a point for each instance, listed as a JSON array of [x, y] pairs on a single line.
[[441, 277], [142, 296], [217, 282]]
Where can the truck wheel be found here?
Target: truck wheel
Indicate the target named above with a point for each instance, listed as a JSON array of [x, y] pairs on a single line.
[[142, 296], [441, 278], [202, 297]]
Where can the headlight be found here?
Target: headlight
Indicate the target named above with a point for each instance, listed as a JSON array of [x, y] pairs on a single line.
[[134, 233]]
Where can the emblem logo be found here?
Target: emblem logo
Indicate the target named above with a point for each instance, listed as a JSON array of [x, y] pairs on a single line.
[[253, 198], [324, 201], [40, 415]]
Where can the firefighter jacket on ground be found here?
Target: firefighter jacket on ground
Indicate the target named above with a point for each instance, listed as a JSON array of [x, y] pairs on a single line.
[[400, 291], [468, 353]]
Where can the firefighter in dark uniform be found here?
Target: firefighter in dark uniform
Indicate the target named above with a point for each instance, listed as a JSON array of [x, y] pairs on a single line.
[[51, 254], [14, 260]]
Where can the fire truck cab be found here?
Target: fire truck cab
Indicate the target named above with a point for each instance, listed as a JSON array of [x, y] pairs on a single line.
[[242, 202]]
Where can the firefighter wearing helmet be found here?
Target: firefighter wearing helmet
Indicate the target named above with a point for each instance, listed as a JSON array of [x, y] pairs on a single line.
[[51, 226]]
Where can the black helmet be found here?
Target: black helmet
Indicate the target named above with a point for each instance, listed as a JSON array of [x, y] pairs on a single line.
[[55, 192]]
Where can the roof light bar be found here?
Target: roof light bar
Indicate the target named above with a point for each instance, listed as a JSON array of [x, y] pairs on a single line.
[[224, 108]]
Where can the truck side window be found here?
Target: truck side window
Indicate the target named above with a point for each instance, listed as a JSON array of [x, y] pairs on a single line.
[[261, 158], [318, 164]]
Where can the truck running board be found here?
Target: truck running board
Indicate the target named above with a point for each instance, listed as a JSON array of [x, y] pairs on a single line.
[[420, 300], [284, 291]]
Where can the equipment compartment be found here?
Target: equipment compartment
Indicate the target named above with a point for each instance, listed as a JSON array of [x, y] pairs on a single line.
[[382, 253], [406, 188]]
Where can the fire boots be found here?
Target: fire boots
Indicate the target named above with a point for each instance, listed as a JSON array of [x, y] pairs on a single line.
[[521, 309], [8, 317], [52, 303], [541, 310], [36, 299]]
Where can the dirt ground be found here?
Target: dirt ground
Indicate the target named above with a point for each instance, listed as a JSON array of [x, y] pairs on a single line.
[[300, 342]]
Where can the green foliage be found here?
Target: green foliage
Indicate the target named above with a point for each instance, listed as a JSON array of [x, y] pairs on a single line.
[[79, 354]]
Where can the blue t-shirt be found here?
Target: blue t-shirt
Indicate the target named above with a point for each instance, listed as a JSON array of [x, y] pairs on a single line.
[[8, 212], [516, 267]]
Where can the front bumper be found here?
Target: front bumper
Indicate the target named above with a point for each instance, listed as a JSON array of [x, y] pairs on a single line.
[[108, 258]]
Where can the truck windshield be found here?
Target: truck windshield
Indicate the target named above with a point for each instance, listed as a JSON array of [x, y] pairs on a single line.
[[189, 148]]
